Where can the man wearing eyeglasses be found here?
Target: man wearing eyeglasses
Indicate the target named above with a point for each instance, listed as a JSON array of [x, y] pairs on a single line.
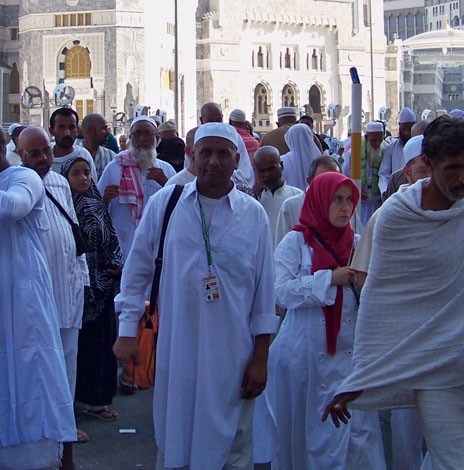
[[69, 272], [132, 178]]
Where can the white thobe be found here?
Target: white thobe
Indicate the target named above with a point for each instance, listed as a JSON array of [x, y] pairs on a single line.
[[183, 177], [14, 159], [77, 152], [393, 159], [244, 173], [289, 215], [36, 408], [121, 214], [303, 376], [203, 347], [69, 272], [272, 202]]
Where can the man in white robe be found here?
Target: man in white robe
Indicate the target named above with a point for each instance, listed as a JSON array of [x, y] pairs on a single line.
[[36, 407], [213, 340], [69, 272], [64, 124], [408, 349], [13, 155], [271, 188], [145, 174], [393, 158], [243, 174]]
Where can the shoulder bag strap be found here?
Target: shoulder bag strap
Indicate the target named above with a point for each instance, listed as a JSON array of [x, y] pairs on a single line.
[[159, 259], [60, 208]]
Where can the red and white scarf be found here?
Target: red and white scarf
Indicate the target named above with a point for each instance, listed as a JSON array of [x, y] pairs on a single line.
[[130, 187]]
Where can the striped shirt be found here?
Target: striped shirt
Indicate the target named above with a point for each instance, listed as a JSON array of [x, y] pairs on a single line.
[[102, 158], [69, 272]]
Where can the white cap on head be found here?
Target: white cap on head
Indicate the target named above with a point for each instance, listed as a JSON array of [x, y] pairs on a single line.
[[12, 127], [169, 125], [374, 126], [237, 115], [457, 113], [407, 115], [287, 111], [413, 148], [217, 129], [157, 119], [143, 118]]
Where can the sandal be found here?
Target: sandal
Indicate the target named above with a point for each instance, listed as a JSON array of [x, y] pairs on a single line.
[[82, 437], [105, 414], [127, 387]]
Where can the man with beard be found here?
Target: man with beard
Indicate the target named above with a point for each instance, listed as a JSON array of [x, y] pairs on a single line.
[[394, 158], [64, 127], [132, 178], [271, 188], [96, 132], [68, 271], [408, 350], [372, 152]]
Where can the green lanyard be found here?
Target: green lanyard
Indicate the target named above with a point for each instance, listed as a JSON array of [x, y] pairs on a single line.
[[206, 238]]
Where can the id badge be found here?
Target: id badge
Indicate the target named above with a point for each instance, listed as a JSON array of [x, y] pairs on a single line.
[[211, 289]]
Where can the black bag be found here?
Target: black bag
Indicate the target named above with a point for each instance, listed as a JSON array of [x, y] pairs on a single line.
[[80, 237]]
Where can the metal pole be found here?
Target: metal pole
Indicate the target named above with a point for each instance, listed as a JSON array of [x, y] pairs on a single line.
[[1, 96], [372, 62], [176, 66]]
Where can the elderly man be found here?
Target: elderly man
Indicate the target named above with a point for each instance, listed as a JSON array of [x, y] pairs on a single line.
[[123, 142], [30, 434], [63, 127], [286, 117], [96, 132], [132, 178], [408, 349], [167, 129], [271, 188], [237, 118], [372, 152], [212, 112], [216, 307], [394, 158], [13, 155], [69, 272]]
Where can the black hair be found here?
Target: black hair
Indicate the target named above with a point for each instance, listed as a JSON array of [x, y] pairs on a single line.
[[443, 137], [66, 112], [308, 118]]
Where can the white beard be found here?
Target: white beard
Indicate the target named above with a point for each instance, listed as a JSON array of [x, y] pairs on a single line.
[[374, 154], [146, 158]]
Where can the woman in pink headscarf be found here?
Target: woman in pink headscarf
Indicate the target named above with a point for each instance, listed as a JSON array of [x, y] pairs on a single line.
[[312, 353]]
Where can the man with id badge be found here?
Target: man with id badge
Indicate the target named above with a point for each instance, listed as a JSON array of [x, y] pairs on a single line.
[[216, 308]]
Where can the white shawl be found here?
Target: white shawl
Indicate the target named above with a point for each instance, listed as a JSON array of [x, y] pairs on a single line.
[[303, 151], [410, 330]]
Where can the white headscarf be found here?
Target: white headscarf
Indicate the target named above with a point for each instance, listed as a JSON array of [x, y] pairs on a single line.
[[303, 151]]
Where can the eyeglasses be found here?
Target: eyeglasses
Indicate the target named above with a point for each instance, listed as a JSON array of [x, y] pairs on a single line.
[[35, 154], [143, 133]]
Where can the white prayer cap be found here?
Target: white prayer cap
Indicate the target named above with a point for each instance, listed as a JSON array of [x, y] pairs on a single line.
[[457, 113], [374, 126], [142, 118], [287, 111], [168, 126], [413, 148], [157, 119], [237, 115], [217, 129], [407, 115], [12, 127]]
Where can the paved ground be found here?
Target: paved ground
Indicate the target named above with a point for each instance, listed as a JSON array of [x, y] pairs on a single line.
[[107, 449]]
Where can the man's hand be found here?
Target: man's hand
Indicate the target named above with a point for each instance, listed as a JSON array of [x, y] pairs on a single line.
[[364, 194], [337, 408], [111, 191], [157, 174], [125, 349], [254, 381], [342, 276]]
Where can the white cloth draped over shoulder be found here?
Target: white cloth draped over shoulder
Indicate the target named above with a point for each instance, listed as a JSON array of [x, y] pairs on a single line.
[[203, 347], [303, 151], [244, 173], [35, 402], [410, 324]]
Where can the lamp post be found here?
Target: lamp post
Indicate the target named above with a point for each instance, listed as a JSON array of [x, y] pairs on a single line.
[[176, 66], [372, 61]]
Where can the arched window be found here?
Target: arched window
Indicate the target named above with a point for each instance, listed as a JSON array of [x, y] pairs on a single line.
[[260, 57], [315, 99], [287, 59], [456, 20], [419, 23], [14, 79], [314, 60], [288, 96], [410, 25], [77, 63], [253, 58], [268, 59], [261, 113]]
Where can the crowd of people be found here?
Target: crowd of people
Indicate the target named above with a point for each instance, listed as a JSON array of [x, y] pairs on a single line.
[[279, 304]]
